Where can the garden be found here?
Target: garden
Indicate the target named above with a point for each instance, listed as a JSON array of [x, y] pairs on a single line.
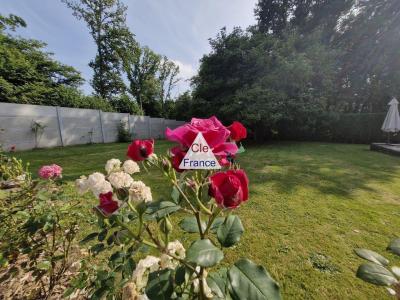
[[309, 207], [199, 150]]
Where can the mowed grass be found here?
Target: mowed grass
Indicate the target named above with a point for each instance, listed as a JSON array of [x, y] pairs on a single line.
[[310, 205]]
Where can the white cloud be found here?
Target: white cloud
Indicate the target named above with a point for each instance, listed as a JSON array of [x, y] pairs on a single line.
[[186, 71]]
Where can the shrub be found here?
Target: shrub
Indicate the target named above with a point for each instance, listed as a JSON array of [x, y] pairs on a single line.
[[13, 172], [36, 236], [124, 135]]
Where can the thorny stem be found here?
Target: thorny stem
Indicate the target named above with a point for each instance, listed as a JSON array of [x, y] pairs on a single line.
[[135, 236], [184, 196], [211, 220]]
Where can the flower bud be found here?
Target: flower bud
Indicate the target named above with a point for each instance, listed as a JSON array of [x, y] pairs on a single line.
[[165, 225], [166, 164]]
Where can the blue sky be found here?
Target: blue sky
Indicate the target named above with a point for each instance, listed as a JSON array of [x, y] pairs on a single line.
[[179, 29]]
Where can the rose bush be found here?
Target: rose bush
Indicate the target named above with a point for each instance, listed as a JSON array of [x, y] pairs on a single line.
[[131, 222], [37, 232]]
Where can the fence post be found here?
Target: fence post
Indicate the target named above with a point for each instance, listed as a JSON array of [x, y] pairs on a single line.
[[101, 126], [149, 118], [164, 128], [129, 124], [60, 125]]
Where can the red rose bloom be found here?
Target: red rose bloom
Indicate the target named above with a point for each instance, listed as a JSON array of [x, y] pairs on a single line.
[[213, 131], [229, 188], [139, 150], [238, 131], [177, 155], [107, 204]]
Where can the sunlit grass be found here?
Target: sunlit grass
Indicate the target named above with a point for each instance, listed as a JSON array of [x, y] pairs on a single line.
[[311, 204]]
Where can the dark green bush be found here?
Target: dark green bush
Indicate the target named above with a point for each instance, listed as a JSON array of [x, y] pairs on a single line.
[[362, 128], [124, 135]]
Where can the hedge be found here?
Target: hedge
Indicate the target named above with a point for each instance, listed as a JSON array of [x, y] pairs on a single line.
[[361, 128]]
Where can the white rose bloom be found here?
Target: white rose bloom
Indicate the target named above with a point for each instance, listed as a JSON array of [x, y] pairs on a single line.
[[120, 180], [176, 248], [82, 185], [101, 187], [167, 262], [143, 268], [113, 165], [95, 178], [196, 284], [139, 192], [130, 167]]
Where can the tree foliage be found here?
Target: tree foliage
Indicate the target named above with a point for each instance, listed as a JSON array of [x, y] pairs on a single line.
[[264, 81], [28, 74], [106, 22], [301, 62], [366, 33]]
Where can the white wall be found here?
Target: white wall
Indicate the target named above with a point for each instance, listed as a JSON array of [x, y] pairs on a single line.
[[71, 126]]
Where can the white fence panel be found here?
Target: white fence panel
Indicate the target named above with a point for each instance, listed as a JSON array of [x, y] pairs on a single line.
[[63, 126]]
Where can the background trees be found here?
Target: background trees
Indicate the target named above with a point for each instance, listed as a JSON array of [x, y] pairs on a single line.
[[106, 22], [28, 74], [123, 69], [303, 63]]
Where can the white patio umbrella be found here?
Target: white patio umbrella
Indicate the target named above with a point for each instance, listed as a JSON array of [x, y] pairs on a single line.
[[392, 120]]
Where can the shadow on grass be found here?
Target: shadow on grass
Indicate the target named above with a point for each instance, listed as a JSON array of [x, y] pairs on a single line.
[[330, 168]]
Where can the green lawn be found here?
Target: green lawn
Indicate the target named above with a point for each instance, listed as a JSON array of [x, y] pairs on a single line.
[[311, 204]]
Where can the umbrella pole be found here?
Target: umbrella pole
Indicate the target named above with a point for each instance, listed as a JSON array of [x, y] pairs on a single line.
[[388, 138]]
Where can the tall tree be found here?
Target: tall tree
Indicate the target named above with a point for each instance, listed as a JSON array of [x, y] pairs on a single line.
[[11, 22], [106, 22], [168, 78], [140, 65], [272, 15]]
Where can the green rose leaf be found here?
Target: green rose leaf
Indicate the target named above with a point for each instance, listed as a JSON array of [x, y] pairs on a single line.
[[215, 225], [158, 210], [180, 275], [230, 231], [204, 253], [396, 271], [129, 267], [394, 246], [175, 195], [122, 237], [375, 274], [189, 224], [89, 238], [102, 235], [116, 258], [250, 281], [160, 285], [96, 249], [217, 281], [372, 256]]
